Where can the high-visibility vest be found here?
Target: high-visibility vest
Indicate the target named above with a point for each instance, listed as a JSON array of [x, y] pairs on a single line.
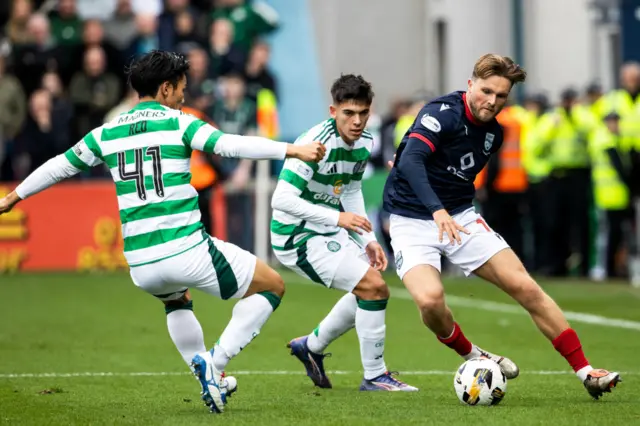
[[564, 138], [402, 125], [630, 131], [202, 173], [512, 176], [618, 101], [267, 114], [610, 192], [536, 166]]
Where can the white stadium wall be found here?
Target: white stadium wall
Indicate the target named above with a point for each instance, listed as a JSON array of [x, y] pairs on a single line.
[[407, 45], [384, 40]]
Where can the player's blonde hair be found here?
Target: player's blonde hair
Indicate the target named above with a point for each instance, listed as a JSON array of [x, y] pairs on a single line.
[[503, 66]]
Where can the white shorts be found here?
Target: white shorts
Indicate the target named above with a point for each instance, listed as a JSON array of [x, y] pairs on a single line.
[[415, 242], [335, 261], [213, 266]]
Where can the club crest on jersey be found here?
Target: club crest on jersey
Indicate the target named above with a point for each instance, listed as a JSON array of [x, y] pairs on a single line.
[[333, 246], [359, 167], [337, 188], [430, 123], [488, 141]]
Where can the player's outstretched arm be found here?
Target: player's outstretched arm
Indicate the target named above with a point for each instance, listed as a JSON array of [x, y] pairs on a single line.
[[258, 148], [204, 137]]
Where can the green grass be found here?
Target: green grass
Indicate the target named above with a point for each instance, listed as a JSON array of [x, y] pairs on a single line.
[[73, 323]]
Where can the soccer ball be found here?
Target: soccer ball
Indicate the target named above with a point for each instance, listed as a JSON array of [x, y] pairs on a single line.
[[480, 381], [229, 385]]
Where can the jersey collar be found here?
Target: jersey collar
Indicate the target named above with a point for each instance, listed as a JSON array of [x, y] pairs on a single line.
[[147, 105], [468, 113]]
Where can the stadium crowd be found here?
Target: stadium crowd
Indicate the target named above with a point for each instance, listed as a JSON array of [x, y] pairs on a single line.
[[561, 192], [61, 67]]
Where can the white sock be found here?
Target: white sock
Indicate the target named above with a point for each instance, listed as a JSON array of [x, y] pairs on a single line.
[[371, 329], [248, 317], [341, 319], [583, 372], [475, 353], [186, 333]]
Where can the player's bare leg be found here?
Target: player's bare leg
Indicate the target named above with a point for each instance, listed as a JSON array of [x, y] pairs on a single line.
[[425, 286], [508, 273]]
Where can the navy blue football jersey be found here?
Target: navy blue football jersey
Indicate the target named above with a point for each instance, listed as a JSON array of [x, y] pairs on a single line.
[[438, 159]]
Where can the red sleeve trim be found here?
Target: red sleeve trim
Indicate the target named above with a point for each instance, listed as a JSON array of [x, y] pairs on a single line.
[[423, 139]]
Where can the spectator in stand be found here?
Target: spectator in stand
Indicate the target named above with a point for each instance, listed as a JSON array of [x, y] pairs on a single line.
[[16, 28], [186, 35], [201, 89], [93, 91], [93, 36], [66, 25], [225, 56], [256, 73], [13, 110], [147, 38], [177, 25], [39, 55], [249, 21], [120, 30], [40, 138], [235, 114], [61, 110]]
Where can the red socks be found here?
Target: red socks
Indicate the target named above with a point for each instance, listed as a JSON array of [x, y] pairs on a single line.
[[568, 344], [457, 341]]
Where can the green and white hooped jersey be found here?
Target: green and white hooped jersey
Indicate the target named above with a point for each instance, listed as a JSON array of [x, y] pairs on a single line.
[[148, 151], [322, 184]]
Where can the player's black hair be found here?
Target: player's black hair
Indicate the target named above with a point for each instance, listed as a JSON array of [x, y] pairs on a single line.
[[147, 73], [351, 87]]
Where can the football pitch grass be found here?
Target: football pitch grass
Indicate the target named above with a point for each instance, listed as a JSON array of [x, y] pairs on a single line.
[[93, 349]]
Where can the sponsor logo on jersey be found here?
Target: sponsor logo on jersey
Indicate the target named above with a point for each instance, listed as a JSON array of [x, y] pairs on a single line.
[[431, 123], [326, 198]]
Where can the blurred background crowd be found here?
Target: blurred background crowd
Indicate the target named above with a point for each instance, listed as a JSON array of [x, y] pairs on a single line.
[[562, 191], [61, 75]]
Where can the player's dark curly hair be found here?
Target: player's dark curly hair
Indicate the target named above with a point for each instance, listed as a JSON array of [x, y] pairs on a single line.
[[147, 73], [351, 87]]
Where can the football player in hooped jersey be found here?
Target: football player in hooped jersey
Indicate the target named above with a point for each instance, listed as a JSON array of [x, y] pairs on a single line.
[[429, 194], [148, 150], [309, 235]]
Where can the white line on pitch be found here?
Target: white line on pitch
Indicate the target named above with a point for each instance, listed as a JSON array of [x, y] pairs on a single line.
[[256, 373]]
